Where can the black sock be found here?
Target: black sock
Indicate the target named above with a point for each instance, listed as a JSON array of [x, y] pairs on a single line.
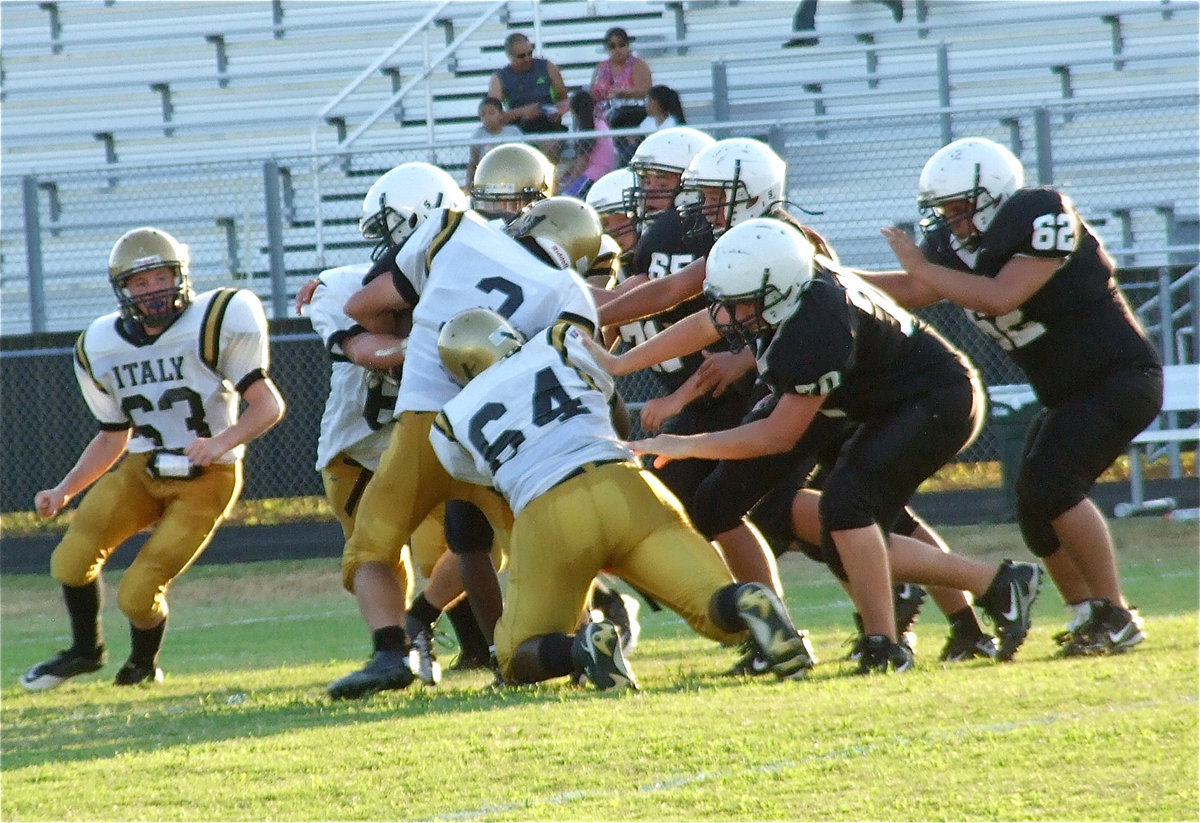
[[554, 655], [723, 610], [471, 642], [965, 621], [424, 611], [146, 643], [83, 607], [390, 639]]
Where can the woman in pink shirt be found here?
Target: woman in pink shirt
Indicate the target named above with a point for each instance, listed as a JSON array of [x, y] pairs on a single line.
[[619, 87]]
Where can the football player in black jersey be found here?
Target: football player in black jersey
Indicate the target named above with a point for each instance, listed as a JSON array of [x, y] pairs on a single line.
[[690, 402], [830, 345], [725, 184], [1034, 277]]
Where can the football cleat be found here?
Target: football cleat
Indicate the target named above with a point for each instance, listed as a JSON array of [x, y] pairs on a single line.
[[1009, 601], [880, 655], [596, 651], [787, 651], [1110, 629], [422, 661], [622, 611], [750, 664], [907, 598], [133, 674], [68, 663], [961, 646], [385, 670]]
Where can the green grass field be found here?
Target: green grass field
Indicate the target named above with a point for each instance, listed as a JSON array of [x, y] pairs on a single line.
[[241, 729]]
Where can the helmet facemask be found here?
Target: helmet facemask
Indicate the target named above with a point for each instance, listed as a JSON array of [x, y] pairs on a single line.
[[390, 227], [734, 205], [155, 309], [745, 330], [980, 208]]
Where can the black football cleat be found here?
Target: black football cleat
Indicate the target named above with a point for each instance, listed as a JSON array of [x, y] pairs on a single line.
[[386, 670], [68, 663]]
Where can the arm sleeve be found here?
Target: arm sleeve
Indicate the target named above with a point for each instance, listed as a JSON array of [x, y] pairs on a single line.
[[244, 347], [103, 406]]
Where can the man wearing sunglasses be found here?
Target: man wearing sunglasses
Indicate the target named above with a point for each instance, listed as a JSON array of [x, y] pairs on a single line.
[[533, 92]]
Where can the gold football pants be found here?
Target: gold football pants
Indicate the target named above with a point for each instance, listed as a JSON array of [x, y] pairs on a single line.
[[612, 517], [408, 485], [185, 514]]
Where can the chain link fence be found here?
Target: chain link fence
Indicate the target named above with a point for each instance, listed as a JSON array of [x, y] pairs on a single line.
[[260, 225]]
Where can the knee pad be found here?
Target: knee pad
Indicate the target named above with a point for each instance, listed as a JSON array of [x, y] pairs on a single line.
[[846, 503], [141, 599], [1042, 495], [467, 528]]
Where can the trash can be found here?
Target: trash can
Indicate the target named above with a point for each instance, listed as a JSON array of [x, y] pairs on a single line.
[[1009, 421]]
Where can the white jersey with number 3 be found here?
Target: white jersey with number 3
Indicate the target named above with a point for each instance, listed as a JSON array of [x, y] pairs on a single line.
[[456, 261], [357, 421], [182, 384], [530, 420]]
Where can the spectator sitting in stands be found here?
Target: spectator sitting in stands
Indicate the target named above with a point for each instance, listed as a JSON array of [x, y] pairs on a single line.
[[619, 87], [491, 116], [593, 156], [532, 90], [663, 109]]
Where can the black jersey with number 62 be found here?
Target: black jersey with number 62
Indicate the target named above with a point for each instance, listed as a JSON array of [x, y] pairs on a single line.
[[1078, 325]]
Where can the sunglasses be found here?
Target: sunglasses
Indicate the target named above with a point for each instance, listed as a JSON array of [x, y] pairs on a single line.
[[612, 46], [523, 55]]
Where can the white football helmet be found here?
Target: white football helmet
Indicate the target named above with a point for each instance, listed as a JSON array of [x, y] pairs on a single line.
[[976, 170], [475, 339], [400, 200], [667, 151], [145, 249], [752, 177], [613, 194], [764, 262]]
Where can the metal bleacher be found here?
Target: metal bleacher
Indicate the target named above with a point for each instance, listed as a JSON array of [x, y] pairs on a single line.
[[94, 91]]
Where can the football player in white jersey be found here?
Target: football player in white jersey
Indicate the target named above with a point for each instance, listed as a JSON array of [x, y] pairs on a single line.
[[358, 417], [454, 261], [164, 376], [534, 421]]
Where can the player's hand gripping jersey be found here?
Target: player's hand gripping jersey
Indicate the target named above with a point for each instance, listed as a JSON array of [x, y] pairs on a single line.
[[182, 384], [848, 340], [1076, 326], [527, 422], [457, 261], [358, 412]]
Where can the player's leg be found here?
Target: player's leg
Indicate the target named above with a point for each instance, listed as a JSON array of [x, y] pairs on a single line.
[[1067, 449], [193, 509], [114, 509]]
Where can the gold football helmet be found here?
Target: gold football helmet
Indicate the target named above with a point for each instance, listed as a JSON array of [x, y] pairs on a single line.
[[475, 339], [146, 249], [509, 178], [566, 229]]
